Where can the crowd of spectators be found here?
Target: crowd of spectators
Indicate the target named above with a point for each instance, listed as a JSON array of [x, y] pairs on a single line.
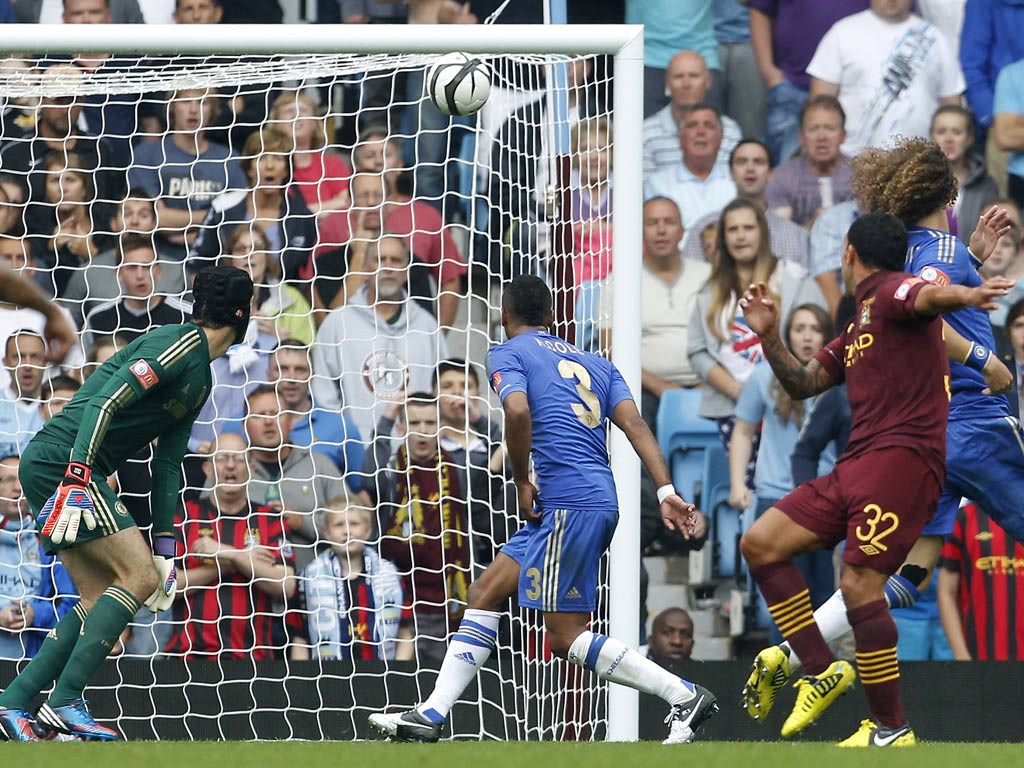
[[346, 475]]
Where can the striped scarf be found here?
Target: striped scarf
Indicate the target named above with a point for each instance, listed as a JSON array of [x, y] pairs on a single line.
[[432, 523]]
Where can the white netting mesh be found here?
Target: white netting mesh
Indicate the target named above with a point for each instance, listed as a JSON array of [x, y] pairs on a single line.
[[118, 183]]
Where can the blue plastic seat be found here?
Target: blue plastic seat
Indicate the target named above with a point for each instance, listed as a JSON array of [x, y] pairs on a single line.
[[684, 438]]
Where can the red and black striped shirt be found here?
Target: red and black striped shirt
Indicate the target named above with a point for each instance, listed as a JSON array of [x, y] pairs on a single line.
[[991, 593], [229, 617]]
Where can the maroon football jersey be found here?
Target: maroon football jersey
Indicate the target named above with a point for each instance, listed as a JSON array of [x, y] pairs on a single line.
[[894, 364]]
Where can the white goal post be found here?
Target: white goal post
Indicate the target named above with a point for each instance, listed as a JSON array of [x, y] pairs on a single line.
[[623, 43]]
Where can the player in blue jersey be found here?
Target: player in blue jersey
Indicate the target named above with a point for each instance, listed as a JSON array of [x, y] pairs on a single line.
[[985, 445], [556, 399]]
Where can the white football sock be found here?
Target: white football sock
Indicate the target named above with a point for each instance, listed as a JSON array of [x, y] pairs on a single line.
[[831, 620], [618, 663], [469, 649]]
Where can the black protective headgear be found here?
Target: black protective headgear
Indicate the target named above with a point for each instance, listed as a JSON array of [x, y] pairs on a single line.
[[223, 296]]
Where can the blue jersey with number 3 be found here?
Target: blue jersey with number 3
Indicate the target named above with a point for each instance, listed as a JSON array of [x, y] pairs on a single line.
[[570, 393], [939, 257]]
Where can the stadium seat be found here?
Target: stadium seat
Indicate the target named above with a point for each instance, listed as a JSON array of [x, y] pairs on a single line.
[[684, 437], [726, 523]]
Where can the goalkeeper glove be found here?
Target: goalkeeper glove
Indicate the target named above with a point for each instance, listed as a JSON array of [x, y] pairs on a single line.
[[163, 561], [69, 507]]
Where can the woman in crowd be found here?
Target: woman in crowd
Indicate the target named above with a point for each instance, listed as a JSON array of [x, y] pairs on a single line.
[[281, 309], [71, 243], [721, 347], [953, 131], [763, 401], [270, 203], [320, 175]]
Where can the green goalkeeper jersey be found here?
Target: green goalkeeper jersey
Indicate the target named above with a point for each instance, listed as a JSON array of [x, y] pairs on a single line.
[[151, 389]]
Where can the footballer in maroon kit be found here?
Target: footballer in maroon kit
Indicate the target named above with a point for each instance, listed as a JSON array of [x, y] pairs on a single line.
[[885, 486]]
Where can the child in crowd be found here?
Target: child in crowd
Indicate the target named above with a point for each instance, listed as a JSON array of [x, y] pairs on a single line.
[[350, 598]]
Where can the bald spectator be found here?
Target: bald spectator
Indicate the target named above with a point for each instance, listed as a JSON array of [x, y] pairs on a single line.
[[671, 639], [377, 345], [890, 69], [671, 26], [697, 183], [750, 169], [688, 81], [819, 177], [670, 284], [784, 35], [669, 645]]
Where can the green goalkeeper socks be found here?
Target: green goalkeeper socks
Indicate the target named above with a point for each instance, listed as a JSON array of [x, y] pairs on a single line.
[[100, 632], [48, 663]]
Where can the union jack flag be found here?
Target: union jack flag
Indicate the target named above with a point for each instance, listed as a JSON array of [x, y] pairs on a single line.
[[745, 342]]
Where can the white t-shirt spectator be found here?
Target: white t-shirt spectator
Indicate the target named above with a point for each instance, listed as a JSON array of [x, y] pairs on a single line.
[[891, 76]]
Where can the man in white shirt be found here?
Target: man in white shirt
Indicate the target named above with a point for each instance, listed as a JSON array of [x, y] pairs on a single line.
[[687, 81], [890, 70], [669, 284], [697, 183]]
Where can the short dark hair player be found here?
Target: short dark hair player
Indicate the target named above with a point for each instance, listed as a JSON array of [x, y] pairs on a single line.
[[884, 488], [556, 400]]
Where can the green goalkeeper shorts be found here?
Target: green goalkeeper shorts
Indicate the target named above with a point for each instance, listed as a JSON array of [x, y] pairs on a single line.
[[42, 470]]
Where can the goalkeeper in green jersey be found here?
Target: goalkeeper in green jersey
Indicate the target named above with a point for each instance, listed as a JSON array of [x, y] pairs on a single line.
[[151, 389]]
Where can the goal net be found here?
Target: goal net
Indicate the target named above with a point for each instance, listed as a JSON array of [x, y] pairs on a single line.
[[352, 431]]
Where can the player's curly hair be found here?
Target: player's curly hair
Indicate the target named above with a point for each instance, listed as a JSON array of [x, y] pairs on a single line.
[[911, 181]]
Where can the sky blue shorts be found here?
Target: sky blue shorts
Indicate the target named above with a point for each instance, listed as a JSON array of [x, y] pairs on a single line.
[[560, 559]]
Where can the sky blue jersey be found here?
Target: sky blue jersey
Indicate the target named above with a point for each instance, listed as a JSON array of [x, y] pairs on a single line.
[[570, 393], [941, 258]]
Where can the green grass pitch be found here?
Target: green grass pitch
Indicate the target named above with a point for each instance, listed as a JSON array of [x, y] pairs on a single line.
[[497, 755]]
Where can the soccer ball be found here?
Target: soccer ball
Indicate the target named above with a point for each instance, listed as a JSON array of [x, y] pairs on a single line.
[[458, 84]]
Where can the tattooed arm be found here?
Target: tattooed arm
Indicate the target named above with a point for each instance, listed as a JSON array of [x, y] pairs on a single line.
[[799, 380]]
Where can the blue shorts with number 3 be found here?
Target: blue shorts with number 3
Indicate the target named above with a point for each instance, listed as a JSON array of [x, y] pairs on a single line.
[[560, 559]]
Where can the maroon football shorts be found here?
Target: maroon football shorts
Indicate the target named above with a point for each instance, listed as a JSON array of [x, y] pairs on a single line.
[[878, 502]]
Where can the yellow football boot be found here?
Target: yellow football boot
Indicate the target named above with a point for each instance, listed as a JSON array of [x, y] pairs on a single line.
[[816, 694], [871, 734], [768, 676]]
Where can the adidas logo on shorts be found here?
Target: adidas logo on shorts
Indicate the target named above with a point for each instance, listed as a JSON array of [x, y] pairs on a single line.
[[573, 594]]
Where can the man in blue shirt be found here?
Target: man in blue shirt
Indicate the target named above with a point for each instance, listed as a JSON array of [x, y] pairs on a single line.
[[185, 171], [556, 399]]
